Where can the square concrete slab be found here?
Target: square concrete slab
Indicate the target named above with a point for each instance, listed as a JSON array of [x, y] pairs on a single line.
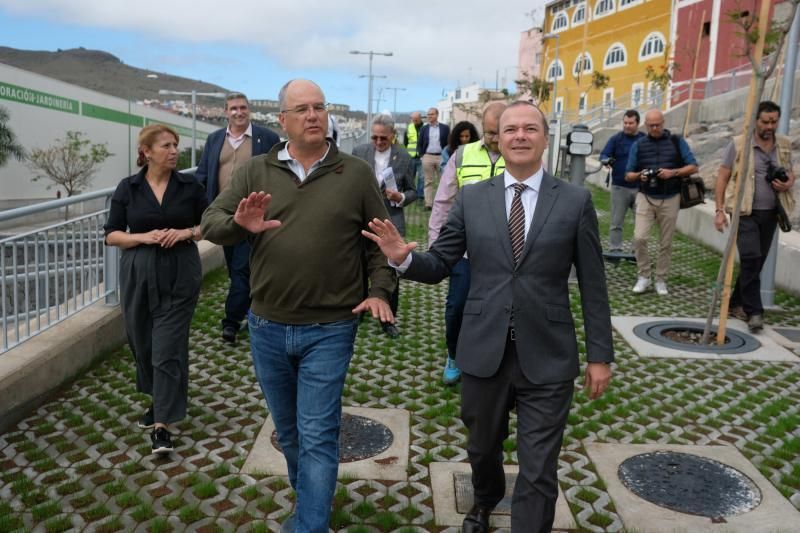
[[769, 350], [789, 337], [391, 464], [447, 479], [774, 514]]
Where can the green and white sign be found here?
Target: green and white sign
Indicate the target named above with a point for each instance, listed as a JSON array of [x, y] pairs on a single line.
[[24, 95]]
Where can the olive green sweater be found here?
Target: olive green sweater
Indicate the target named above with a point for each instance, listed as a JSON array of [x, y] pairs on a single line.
[[311, 268]]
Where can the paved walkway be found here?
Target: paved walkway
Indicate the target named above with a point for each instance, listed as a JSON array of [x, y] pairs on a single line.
[[79, 462]]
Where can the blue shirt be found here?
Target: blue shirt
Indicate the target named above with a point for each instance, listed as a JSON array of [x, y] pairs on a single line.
[[686, 155], [618, 147]]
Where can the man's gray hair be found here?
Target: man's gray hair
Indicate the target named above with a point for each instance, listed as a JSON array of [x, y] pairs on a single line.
[[235, 96], [285, 89], [384, 120]]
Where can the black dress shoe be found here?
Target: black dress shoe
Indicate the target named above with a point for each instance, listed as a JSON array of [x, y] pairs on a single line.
[[391, 330], [229, 334], [477, 520]]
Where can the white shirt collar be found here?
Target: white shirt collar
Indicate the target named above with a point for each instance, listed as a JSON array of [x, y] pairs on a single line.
[[534, 181]]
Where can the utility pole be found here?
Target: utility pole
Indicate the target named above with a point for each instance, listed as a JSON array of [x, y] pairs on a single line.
[[395, 89], [371, 54]]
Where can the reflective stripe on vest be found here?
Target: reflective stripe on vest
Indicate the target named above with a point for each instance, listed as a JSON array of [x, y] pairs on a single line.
[[476, 165], [411, 132]]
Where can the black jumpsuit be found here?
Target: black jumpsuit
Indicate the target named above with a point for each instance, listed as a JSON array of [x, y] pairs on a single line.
[[159, 287]]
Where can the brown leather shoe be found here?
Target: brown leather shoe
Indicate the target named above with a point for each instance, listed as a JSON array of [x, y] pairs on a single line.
[[737, 312], [477, 520]]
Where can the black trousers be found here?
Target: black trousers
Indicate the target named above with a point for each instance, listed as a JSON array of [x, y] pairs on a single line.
[[159, 289], [753, 242], [541, 417]]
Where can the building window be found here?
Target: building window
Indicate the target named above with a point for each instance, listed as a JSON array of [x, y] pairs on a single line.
[[637, 94], [559, 105], [616, 56], [555, 71], [583, 102], [624, 4], [603, 7], [579, 15], [652, 46], [582, 64], [706, 29], [608, 98], [560, 22]]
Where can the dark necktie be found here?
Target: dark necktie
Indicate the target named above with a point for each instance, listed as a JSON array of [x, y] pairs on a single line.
[[516, 222]]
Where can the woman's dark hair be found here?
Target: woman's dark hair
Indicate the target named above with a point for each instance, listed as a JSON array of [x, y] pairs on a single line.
[[453, 141]]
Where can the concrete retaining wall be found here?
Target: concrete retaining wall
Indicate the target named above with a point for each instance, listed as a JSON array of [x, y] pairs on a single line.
[[34, 370]]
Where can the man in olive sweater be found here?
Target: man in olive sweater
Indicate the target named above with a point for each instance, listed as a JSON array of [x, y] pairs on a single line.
[[302, 206]]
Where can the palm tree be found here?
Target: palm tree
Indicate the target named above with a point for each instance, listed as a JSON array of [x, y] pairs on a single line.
[[8, 141]]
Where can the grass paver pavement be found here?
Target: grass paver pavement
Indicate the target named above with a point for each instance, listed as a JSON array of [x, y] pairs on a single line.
[[79, 461]]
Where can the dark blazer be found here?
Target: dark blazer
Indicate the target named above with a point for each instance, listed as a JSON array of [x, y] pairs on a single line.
[[563, 232], [206, 173], [425, 137], [402, 166]]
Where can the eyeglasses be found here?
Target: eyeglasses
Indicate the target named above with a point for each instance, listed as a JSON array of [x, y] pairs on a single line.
[[491, 134], [305, 108], [380, 138], [655, 125]]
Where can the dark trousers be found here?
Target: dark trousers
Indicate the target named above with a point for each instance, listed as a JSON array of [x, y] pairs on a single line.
[[237, 258], [158, 293], [541, 416], [753, 242], [457, 290]]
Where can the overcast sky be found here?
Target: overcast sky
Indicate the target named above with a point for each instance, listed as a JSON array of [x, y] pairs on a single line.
[[255, 46]]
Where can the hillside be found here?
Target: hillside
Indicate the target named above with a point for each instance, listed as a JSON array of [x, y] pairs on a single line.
[[102, 72]]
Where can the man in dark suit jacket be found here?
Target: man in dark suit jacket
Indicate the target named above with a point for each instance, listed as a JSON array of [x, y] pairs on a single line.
[[523, 231], [381, 154], [432, 140], [225, 150]]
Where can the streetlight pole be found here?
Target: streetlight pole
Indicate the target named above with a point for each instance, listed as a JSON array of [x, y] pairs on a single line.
[[129, 119], [371, 77], [194, 94], [395, 89], [369, 85], [555, 77]]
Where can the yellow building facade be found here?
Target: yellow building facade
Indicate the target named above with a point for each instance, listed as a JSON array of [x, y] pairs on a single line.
[[618, 38]]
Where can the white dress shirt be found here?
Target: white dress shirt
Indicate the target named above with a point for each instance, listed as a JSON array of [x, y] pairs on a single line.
[[296, 166]]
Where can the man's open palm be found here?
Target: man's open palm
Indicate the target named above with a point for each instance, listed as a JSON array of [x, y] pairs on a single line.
[[250, 213], [391, 243]]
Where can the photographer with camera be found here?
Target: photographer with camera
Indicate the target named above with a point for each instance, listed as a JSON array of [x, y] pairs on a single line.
[[657, 162], [623, 193], [766, 202]]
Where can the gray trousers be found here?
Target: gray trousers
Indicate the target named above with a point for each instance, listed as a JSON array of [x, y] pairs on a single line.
[[622, 199], [159, 289]]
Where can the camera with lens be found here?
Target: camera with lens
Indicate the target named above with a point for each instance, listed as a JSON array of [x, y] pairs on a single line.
[[776, 173], [651, 175], [607, 161]]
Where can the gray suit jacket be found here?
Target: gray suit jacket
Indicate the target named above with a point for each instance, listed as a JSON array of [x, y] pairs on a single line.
[[563, 232], [403, 169]]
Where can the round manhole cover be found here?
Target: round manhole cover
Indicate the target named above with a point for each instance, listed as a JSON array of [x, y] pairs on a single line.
[[359, 438], [690, 484], [686, 336]]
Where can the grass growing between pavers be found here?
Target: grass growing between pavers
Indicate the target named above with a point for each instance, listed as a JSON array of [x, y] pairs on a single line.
[[79, 461]]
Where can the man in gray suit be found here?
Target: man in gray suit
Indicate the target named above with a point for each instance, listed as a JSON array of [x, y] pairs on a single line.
[[384, 154], [523, 231]]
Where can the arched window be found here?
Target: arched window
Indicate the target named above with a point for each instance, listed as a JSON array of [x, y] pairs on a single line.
[[616, 56], [555, 71], [652, 46], [583, 63], [627, 3], [579, 16], [560, 22], [603, 7]]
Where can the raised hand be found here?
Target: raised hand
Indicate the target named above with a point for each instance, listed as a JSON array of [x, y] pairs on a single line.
[[389, 240], [250, 213]]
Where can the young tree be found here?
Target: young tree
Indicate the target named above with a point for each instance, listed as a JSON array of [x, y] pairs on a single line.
[[70, 163], [537, 88], [9, 147]]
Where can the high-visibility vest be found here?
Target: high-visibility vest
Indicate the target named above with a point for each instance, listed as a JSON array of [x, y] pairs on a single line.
[[473, 164], [411, 132]]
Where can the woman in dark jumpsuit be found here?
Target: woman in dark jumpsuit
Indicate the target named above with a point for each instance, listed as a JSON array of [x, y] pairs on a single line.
[[154, 218]]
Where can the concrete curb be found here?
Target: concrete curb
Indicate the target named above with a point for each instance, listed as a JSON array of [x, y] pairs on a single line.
[[37, 368]]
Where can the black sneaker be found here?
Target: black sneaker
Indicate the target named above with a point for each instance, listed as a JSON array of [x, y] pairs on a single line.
[[162, 441], [147, 420], [229, 334]]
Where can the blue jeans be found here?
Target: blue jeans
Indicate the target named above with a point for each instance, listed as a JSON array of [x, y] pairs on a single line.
[[237, 258], [301, 371], [457, 291]]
